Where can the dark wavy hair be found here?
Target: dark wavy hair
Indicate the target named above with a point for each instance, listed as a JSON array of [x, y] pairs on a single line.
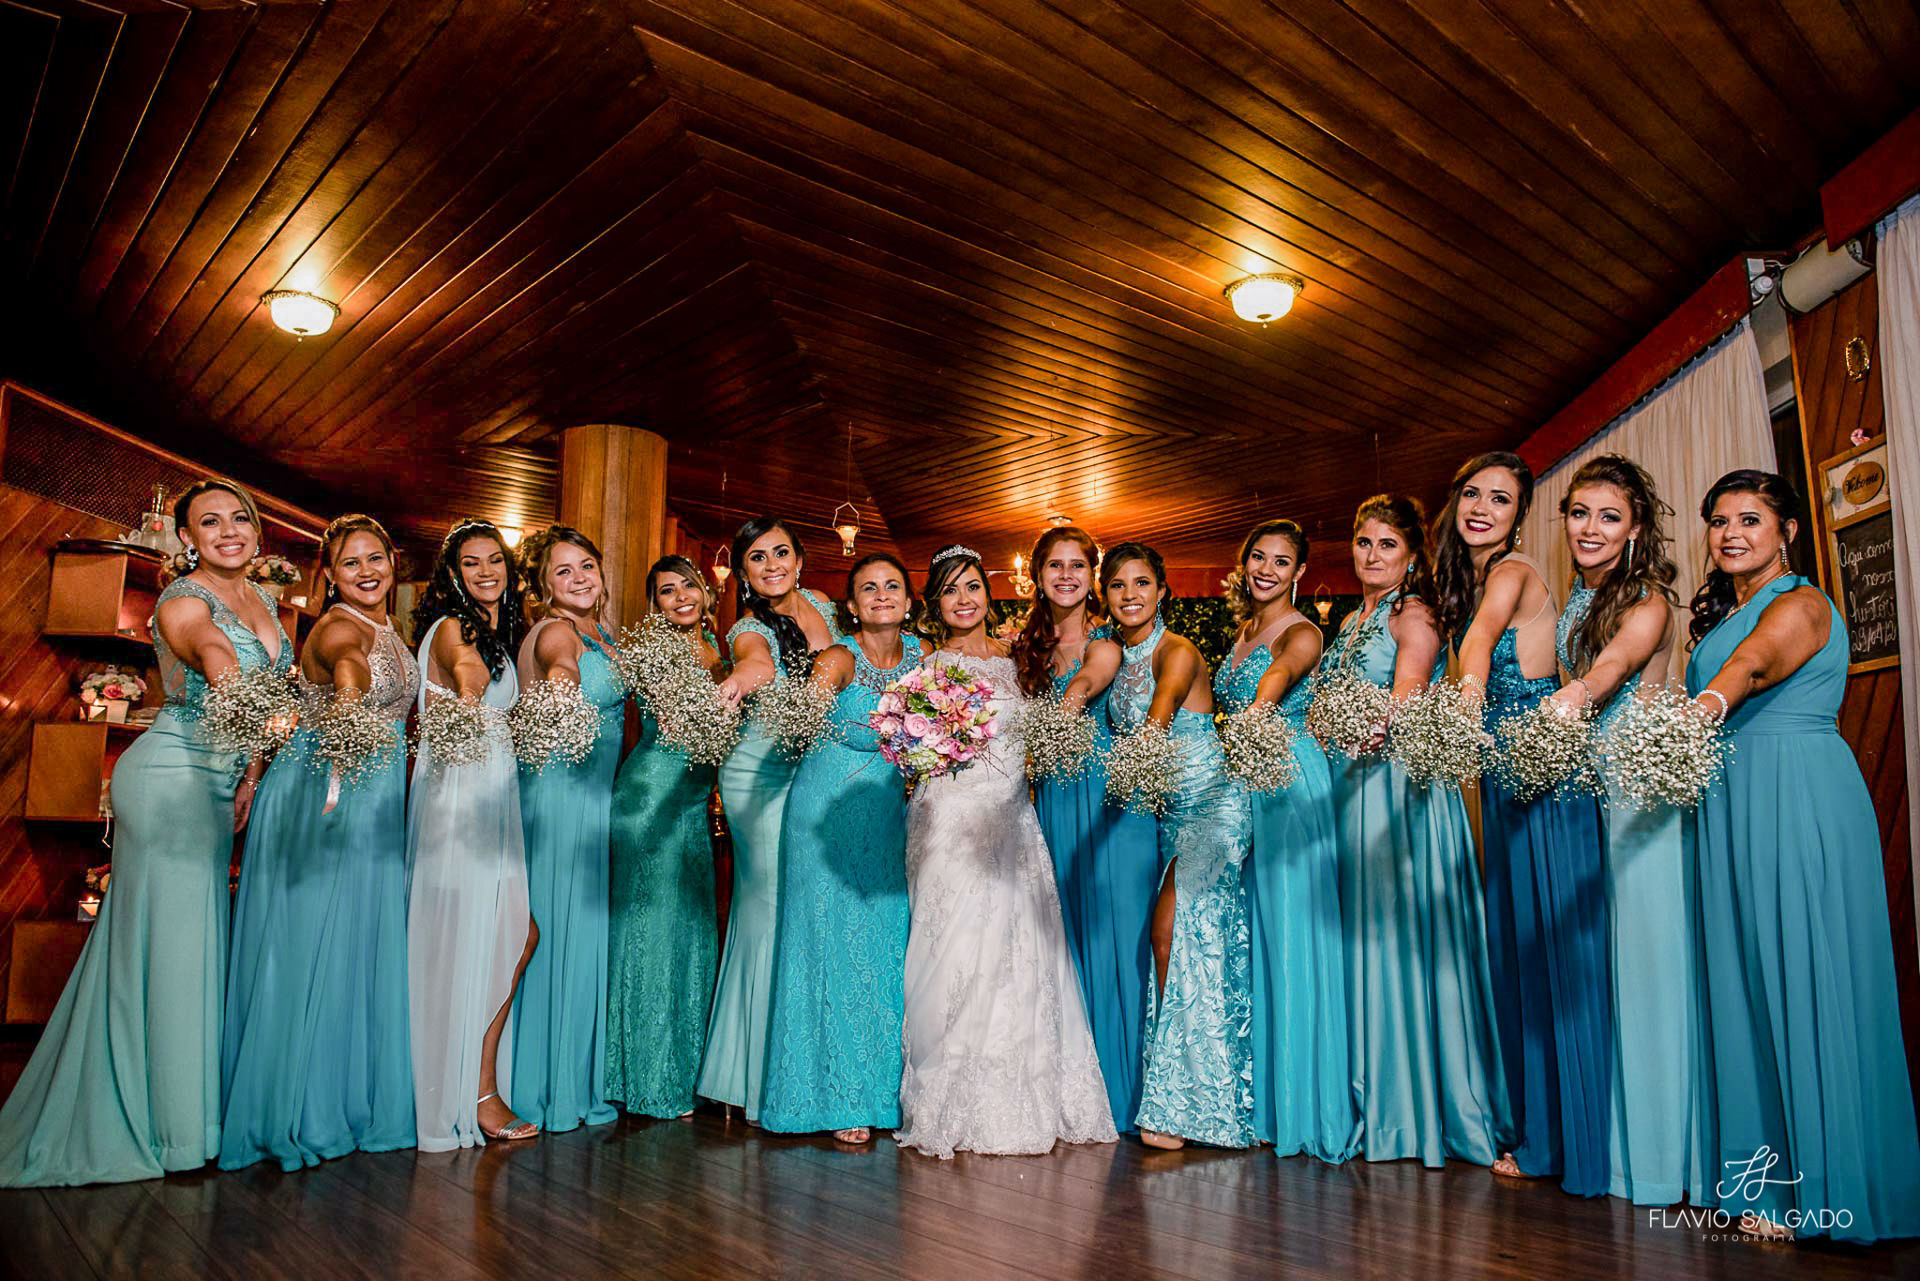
[[446, 597], [939, 574], [1117, 556], [535, 550], [791, 640], [1239, 595], [1034, 645], [688, 570], [1715, 599], [843, 617], [339, 529], [1646, 570], [1456, 584], [1407, 518]]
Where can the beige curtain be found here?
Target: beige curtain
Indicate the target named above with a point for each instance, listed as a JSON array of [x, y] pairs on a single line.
[[1703, 422], [1899, 283]]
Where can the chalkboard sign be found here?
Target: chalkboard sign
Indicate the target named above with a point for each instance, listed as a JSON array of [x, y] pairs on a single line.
[[1864, 582]]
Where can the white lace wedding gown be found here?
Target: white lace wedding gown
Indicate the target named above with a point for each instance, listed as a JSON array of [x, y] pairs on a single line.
[[999, 1057]]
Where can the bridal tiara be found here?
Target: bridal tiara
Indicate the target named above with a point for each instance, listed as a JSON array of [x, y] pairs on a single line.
[[948, 553]]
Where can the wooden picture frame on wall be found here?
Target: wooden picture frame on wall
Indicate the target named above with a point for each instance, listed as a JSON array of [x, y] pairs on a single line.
[[1857, 513]]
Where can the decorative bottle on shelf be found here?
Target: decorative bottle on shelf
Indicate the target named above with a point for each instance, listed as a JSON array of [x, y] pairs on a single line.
[[152, 532]]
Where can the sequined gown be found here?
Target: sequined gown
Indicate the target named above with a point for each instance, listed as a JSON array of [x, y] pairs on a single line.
[[466, 916], [1547, 941], [125, 1082], [1303, 1099], [1807, 1054], [560, 1019], [662, 944], [317, 1062], [1425, 1055], [1106, 865], [1197, 1069], [1660, 1136], [753, 788], [999, 1058], [839, 962]]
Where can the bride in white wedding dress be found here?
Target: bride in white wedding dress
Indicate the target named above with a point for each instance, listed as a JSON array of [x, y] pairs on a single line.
[[999, 1057]]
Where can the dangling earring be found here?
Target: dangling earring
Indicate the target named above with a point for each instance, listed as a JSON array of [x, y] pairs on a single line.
[[193, 559], [1628, 559], [1785, 564], [1519, 540]]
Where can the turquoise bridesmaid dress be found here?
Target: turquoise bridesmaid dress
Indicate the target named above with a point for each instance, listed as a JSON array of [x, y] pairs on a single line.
[[560, 1018], [1547, 941], [840, 951], [125, 1082], [317, 1061], [1303, 1098], [753, 788], [1197, 1073], [1425, 1056], [663, 943], [1809, 1068], [1106, 862], [1660, 1128]]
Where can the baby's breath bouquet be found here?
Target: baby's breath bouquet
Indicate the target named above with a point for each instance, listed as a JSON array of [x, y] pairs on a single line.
[[1548, 746], [352, 741], [1259, 748], [460, 731], [1143, 769], [553, 723], [1348, 711], [1059, 739], [249, 712], [793, 713], [1437, 737], [1664, 749], [660, 667]]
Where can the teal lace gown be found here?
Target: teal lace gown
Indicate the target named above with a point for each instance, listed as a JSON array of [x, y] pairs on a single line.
[[1197, 1070], [1807, 1055], [560, 1018], [1660, 1123], [1547, 939], [753, 789], [840, 952], [317, 1061], [1303, 1098], [1106, 863], [1425, 1055], [663, 945], [125, 1082]]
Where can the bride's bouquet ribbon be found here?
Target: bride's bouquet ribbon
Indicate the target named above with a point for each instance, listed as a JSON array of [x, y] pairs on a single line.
[[934, 720]]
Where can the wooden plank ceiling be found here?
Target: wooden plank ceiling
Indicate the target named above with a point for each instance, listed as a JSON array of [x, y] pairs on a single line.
[[985, 242]]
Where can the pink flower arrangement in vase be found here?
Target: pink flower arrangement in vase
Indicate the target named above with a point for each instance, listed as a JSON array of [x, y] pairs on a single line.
[[934, 720]]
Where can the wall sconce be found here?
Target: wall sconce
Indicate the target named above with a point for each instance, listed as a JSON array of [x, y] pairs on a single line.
[[1265, 297], [1323, 603], [846, 523], [1022, 585], [511, 533], [301, 314]]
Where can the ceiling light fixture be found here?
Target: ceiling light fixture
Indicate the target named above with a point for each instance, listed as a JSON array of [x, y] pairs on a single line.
[[301, 314], [722, 555], [1057, 520], [1265, 297]]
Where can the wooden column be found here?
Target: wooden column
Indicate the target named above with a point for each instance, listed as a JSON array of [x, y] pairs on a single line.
[[613, 488]]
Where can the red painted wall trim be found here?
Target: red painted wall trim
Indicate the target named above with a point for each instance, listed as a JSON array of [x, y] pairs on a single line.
[[1714, 308], [1868, 189]]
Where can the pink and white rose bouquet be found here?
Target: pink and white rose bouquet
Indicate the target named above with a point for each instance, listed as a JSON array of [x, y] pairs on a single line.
[[935, 720]]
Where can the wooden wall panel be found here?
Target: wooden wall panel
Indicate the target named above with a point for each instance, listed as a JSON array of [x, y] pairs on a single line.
[[41, 864], [1832, 407]]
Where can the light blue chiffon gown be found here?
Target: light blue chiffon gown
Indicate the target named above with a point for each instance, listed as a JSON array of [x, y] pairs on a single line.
[[1303, 1099], [1106, 862], [753, 788], [1660, 1132], [317, 1061], [125, 1082], [1197, 1071], [840, 951], [1807, 1055], [1547, 941], [1425, 1055], [560, 1018]]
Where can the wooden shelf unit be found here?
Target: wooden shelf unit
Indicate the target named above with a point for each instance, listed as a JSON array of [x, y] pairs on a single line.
[[102, 591]]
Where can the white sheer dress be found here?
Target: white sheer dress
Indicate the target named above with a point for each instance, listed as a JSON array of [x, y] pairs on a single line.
[[999, 1056]]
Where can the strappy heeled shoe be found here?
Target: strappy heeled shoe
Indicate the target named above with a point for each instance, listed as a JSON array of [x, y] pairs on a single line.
[[509, 1133]]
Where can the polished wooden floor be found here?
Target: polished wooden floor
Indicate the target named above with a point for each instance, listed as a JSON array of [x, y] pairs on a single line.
[[705, 1199]]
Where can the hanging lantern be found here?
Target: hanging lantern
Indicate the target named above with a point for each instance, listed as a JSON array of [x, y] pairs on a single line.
[[846, 523], [1323, 603], [722, 565]]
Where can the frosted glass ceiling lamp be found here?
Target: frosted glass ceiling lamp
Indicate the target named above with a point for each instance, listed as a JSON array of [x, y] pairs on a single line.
[[1265, 297], [301, 314]]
